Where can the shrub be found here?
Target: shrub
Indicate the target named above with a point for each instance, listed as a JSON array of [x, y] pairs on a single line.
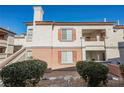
[[122, 70], [21, 74], [93, 73]]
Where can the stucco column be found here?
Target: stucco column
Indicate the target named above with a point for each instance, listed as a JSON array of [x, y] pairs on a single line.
[[98, 57], [83, 50], [98, 38], [84, 54]]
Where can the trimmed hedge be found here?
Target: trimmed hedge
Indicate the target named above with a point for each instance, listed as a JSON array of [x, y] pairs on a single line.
[[25, 73], [92, 72]]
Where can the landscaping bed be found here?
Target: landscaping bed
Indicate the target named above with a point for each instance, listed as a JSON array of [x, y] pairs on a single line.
[[71, 79]]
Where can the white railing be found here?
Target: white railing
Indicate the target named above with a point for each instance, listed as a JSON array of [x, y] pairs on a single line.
[[3, 42], [3, 55], [94, 43], [12, 57]]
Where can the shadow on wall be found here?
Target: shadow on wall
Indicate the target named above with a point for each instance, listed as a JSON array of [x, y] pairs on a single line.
[[119, 60]]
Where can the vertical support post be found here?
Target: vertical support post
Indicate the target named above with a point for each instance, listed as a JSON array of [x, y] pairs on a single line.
[[98, 38], [105, 46], [98, 57], [84, 54], [81, 49]]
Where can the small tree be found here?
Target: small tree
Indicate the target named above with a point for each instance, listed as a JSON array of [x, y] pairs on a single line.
[[23, 73], [93, 73]]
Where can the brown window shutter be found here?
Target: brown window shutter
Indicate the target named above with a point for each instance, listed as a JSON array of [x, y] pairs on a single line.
[[59, 56], [59, 34], [73, 34], [74, 56]]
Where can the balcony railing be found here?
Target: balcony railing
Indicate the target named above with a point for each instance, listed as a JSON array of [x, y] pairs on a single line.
[[3, 42], [90, 39], [3, 56], [93, 39], [94, 43]]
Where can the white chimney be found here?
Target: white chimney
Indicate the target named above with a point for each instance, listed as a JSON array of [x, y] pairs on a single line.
[[104, 19], [118, 22], [38, 13]]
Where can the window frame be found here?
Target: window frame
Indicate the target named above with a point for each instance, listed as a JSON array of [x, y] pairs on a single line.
[[29, 34], [66, 40], [66, 62]]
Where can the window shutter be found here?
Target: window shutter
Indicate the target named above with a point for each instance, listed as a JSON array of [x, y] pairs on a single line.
[[74, 56], [73, 34], [59, 56], [59, 34]]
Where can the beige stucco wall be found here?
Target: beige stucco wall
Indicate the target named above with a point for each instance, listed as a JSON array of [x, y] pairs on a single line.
[[10, 39], [10, 44], [19, 41], [113, 41], [45, 36]]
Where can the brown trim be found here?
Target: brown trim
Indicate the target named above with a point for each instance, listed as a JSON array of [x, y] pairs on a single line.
[[68, 23], [119, 27], [73, 35], [20, 37], [60, 35], [5, 30]]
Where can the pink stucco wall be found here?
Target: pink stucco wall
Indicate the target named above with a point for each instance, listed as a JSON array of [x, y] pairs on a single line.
[[51, 56]]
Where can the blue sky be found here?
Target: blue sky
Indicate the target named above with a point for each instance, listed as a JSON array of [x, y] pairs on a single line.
[[13, 17]]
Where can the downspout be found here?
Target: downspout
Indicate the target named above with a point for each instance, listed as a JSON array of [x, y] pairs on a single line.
[[34, 25], [81, 49], [52, 45], [104, 40]]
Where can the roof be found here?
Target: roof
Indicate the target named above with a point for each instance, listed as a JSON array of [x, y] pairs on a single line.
[[5, 30], [68, 23], [20, 36], [119, 27]]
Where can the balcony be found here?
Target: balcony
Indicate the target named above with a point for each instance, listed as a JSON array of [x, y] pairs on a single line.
[[3, 42], [94, 39], [97, 56], [3, 56]]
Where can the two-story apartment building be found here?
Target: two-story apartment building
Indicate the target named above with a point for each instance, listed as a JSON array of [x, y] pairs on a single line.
[[6, 43], [62, 44]]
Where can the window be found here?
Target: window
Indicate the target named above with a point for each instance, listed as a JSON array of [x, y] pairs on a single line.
[[66, 34], [29, 35], [67, 57], [29, 54]]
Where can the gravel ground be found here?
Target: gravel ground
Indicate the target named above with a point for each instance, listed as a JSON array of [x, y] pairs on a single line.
[[72, 79]]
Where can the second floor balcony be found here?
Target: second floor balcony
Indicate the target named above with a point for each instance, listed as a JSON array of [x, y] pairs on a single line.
[[94, 37], [3, 56], [3, 43], [3, 39]]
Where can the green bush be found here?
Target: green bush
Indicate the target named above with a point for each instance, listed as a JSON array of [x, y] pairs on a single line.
[[122, 69], [93, 73], [25, 73]]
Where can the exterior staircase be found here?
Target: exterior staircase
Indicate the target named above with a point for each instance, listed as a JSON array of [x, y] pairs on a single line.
[[17, 56]]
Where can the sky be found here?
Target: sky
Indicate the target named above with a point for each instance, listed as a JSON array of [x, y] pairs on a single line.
[[13, 17]]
